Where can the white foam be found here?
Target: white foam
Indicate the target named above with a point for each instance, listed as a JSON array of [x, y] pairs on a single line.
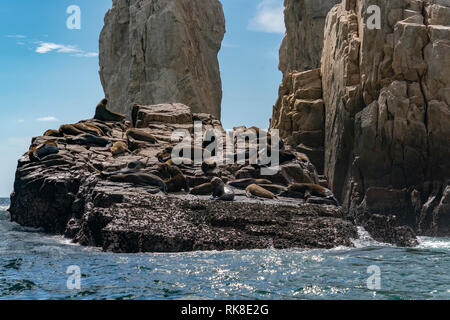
[[4, 208], [434, 243], [365, 240]]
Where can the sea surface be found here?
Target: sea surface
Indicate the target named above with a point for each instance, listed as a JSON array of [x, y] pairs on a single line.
[[37, 266]]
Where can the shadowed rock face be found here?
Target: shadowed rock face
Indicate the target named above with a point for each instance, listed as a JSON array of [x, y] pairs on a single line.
[[162, 51], [387, 104], [387, 114]]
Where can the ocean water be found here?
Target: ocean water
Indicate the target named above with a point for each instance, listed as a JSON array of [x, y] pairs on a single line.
[[34, 266]]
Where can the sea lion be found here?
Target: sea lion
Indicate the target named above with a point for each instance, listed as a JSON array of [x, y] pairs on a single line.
[[244, 183], [86, 128], [203, 189], [90, 139], [43, 150], [254, 190], [221, 191], [107, 130], [208, 166], [140, 179], [132, 167], [70, 130], [52, 133], [103, 114], [118, 148], [184, 161], [274, 188], [177, 180], [312, 190], [141, 135]]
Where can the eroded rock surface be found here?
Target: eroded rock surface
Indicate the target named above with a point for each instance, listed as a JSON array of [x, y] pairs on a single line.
[[387, 114], [299, 114], [160, 51], [301, 48]]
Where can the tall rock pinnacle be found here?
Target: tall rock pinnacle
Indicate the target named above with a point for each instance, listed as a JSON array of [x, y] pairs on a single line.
[[162, 51]]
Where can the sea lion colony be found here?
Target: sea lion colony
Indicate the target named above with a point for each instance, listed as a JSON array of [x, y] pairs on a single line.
[[110, 148]]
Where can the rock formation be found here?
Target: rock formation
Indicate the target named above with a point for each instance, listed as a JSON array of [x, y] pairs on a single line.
[[387, 124], [301, 48], [162, 51], [77, 192], [299, 114]]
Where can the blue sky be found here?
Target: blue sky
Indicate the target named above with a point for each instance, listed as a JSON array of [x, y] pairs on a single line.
[[49, 74]]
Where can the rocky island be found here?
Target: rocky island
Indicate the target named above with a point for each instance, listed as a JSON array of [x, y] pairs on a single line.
[[363, 116]]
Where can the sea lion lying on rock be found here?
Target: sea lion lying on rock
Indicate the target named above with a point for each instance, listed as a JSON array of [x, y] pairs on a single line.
[[141, 135], [140, 179], [86, 128], [90, 140], [244, 183], [254, 190], [70, 130], [177, 180], [313, 190], [52, 133], [221, 192], [208, 166], [132, 167], [118, 148], [103, 114], [203, 189], [43, 150]]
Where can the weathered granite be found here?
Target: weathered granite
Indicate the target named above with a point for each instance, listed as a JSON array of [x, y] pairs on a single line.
[[299, 114], [301, 48], [160, 51]]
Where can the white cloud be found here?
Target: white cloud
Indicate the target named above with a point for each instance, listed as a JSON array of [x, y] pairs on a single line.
[[45, 47], [47, 119], [86, 54], [16, 36], [269, 17]]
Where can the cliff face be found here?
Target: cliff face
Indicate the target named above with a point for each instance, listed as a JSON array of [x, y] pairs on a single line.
[[162, 51], [387, 115], [302, 45]]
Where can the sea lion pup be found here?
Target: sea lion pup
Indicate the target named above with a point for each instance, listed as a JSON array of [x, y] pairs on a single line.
[[90, 139], [313, 190], [103, 114], [208, 166], [244, 183], [177, 180], [43, 150], [52, 133], [118, 148], [221, 191], [141, 135], [254, 190], [140, 179], [70, 130]]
